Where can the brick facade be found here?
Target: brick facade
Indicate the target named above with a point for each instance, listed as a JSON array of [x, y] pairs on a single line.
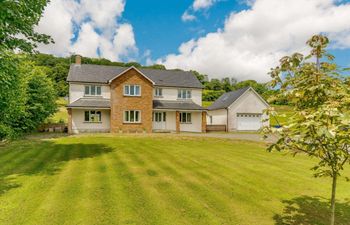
[[120, 103], [177, 120], [204, 122], [70, 130]]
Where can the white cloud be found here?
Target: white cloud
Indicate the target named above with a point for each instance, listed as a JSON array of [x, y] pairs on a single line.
[[88, 41], [57, 22], [196, 6], [95, 22], [202, 4], [252, 41], [186, 16]]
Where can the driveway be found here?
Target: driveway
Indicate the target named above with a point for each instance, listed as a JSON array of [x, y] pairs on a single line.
[[236, 136]]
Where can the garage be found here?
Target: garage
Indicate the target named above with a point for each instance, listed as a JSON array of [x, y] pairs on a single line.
[[249, 121]]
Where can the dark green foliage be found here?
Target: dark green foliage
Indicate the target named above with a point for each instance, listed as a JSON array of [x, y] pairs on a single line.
[[41, 97], [17, 21], [211, 95], [11, 95], [157, 67]]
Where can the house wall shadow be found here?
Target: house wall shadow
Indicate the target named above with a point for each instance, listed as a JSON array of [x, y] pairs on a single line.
[[308, 210], [41, 157]]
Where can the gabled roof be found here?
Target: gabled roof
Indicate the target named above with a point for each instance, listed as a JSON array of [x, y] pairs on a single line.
[[175, 104], [98, 103], [103, 74], [227, 99]]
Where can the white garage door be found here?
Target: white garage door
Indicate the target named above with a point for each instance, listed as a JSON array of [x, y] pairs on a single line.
[[248, 121]]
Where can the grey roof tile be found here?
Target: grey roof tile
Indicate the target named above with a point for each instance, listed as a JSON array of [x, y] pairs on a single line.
[[102, 74], [90, 103], [182, 105], [227, 99]]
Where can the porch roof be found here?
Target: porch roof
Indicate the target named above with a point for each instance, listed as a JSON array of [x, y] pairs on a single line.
[[99, 103], [181, 105]]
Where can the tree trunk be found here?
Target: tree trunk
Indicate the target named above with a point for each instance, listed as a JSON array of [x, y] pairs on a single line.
[[334, 186]]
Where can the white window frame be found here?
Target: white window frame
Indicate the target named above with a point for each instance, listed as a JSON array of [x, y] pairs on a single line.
[[188, 117], [184, 94], [128, 87], [129, 118], [158, 92], [90, 87], [93, 114]]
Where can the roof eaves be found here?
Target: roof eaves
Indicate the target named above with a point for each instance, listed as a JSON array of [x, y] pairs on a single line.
[[132, 67]]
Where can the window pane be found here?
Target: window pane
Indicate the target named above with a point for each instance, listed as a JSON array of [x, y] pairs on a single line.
[[132, 90], [184, 117], [179, 95], [132, 116], [98, 113], [188, 117], [137, 116], [87, 90], [86, 117], [126, 90], [160, 92], [164, 116], [98, 90], [93, 90], [137, 89], [188, 94], [92, 116], [126, 116]]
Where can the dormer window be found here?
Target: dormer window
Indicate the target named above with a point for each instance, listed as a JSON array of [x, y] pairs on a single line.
[[92, 90], [184, 94], [132, 90]]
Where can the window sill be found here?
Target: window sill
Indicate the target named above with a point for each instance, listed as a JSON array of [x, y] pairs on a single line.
[[89, 96], [91, 122], [184, 99], [132, 123], [185, 123], [132, 95], [159, 96]]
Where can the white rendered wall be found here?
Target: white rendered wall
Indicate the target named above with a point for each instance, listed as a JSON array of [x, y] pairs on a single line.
[[79, 125]]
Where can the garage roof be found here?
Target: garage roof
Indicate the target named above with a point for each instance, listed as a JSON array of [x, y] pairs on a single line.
[[227, 99]]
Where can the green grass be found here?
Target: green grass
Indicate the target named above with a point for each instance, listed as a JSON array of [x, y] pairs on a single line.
[[61, 114], [159, 179]]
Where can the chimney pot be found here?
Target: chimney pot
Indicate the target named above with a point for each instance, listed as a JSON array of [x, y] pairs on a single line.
[[78, 59]]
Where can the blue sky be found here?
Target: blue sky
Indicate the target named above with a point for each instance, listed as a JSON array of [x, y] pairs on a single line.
[[241, 39], [159, 28]]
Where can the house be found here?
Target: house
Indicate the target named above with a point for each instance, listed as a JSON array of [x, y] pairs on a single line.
[[242, 109], [118, 99]]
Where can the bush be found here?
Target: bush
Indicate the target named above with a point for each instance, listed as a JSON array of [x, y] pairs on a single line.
[[211, 95]]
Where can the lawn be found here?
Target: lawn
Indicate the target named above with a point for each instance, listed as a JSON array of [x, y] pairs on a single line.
[[159, 179]]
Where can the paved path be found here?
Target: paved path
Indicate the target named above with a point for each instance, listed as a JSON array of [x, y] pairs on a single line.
[[236, 136]]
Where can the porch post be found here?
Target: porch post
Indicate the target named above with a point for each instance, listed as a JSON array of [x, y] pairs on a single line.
[[204, 122], [177, 122], [70, 131]]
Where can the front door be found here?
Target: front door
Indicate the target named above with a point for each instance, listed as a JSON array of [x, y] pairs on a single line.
[[159, 120]]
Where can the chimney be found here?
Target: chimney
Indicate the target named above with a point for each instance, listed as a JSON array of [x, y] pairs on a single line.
[[78, 59]]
